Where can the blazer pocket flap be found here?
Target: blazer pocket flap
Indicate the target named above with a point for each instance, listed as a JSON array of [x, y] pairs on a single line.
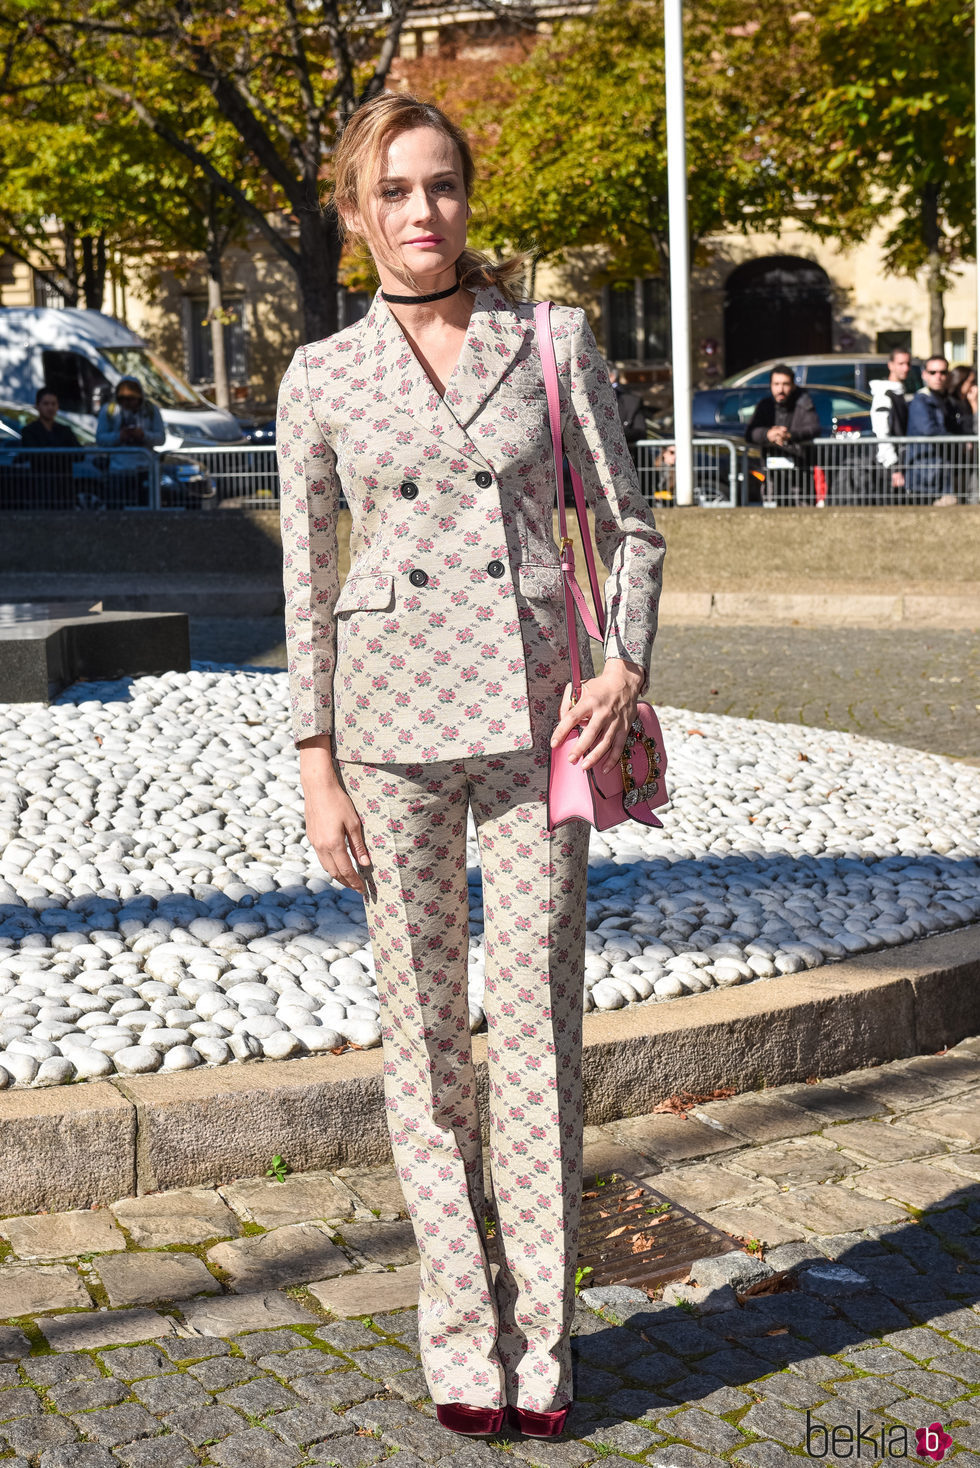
[[540, 581], [366, 594]]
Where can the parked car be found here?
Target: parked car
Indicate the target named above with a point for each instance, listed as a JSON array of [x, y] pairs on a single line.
[[81, 355], [183, 482], [834, 369]]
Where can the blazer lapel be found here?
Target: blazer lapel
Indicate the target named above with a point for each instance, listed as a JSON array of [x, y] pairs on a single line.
[[496, 335]]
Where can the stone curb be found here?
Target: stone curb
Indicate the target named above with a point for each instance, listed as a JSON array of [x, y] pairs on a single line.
[[847, 609], [72, 1146]]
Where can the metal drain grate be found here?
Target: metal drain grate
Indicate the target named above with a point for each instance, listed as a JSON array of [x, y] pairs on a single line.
[[631, 1235]]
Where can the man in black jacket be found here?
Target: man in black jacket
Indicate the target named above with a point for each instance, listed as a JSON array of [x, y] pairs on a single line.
[[631, 411], [51, 482], [783, 425]]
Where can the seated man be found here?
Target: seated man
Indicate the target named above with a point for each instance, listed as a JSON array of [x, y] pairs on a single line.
[[51, 474], [783, 424], [129, 420]]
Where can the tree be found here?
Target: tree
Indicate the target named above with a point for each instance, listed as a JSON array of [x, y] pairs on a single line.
[[283, 77], [579, 156], [888, 136]]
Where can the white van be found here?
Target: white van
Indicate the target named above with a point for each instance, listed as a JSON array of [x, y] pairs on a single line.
[[81, 355]]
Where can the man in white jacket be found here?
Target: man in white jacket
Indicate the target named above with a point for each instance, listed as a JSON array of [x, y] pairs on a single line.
[[890, 412]]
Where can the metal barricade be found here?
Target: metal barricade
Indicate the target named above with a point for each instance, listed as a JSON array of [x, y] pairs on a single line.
[[853, 470], [84, 478], [716, 471], [244, 476]]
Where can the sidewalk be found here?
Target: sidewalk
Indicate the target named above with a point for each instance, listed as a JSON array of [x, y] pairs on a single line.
[[268, 1324]]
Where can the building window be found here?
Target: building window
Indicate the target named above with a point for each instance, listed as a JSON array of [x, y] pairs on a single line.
[[46, 295], [638, 320], [200, 363], [893, 341], [955, 345]]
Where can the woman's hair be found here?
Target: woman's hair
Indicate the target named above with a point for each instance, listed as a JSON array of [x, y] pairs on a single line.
[[358, 162], [958, 379]]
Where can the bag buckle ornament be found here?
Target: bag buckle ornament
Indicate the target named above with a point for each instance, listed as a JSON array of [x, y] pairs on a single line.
[[634, 794]]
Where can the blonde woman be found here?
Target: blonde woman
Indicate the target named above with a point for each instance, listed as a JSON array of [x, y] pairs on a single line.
[[435, 683]]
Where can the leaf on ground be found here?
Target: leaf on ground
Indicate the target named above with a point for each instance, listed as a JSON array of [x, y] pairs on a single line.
[[776, 1284], [681, 1102]]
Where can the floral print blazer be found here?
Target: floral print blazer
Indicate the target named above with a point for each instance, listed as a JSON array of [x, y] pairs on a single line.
[[448, 640]]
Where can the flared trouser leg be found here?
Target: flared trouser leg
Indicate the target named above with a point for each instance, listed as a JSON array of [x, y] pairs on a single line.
[[482, 1343]]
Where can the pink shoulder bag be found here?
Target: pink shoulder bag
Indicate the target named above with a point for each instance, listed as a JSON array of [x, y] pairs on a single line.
[[636, 786]]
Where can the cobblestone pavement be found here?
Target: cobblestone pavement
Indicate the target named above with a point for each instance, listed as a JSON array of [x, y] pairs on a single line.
[[917, 688], [269, 1324]]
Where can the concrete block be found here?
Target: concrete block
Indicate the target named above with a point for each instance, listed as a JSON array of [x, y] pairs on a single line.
[[952, 613], [62, 1235], [369, 1294], [946, 995], [66, 1147], [808, 608]]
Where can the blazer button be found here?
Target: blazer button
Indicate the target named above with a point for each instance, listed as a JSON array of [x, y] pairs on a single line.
[[484, 478], [409, 490], [495, 568], [418, 578]]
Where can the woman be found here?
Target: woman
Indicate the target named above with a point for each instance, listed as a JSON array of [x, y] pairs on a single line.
[[434, 682], [962, 392]]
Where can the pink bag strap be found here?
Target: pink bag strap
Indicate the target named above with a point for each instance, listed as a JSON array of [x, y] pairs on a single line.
[[573, 592]]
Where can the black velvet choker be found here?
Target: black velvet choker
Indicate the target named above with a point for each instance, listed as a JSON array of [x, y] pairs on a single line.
[[419, 300]]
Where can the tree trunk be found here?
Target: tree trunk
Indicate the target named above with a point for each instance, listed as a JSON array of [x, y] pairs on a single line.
[[934, 270], [70, 237], [319, 260], [219, 365], [93, 270]]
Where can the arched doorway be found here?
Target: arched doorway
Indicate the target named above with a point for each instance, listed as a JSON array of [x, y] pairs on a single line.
[[778, 306]]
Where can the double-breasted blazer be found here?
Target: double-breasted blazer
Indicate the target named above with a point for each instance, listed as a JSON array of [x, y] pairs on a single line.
[[448, 639]]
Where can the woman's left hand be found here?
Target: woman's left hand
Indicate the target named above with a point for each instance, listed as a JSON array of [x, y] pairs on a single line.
[[605, 710]]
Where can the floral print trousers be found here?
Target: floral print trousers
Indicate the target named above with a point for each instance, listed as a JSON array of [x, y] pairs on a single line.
[[483, 1341]]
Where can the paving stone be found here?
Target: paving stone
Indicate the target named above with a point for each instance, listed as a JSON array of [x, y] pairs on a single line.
[[627, 1437], [873, 1313], [157, 1452], [915, 1184], [304, 1197], [604, 1156], [877, 1359], [105, 1328], [797, 1160], [352, 1335], [80, 1396], [62, 1235], [28, 1289], [229, 1314], [949, 1072], [302, 1426], [19, 1402], [831, 1336], [653, 1369], [294, 1254], [369, 1294], [144, 1278], [383, 1360], [961, 1123], [71, 1366], [765, 1455], [679, 1455], [670, 1139], [14, 1344], [707, 1185], [884, 1142], [378, 1188], [382, 1243], [132, 1362], [411, 1386], [759, 1118], [872, 1392], [258, 1398], [255, 1448], [548, 1454], [774, 1420], [591, 1382], [793, 1391], [77, 1455], [197, 1349], [611, 1347], [919, 1342], [829, 1208], [258, 1343], [634, 1404], [117, 1425], [32, 1435], [214, 1375], [820, 1368], [713, 1397], [9, 1375], [962, 1364], [403, 1427], [734, 1367], [300, 1361], [831, 1103], [935, 1386], [756, 1221], [405, 1323], [168, 1393], [684, 1337], [200, 1425], [338, 1389], [183, 1216], [349, 1452], [736, 1268], [889, 1087], [704, 1431]]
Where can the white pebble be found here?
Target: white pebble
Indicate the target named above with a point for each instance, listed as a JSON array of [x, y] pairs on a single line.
[[135, 1060]]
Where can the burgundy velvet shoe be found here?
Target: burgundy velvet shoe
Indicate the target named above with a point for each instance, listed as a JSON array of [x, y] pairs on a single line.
[[537, 1424], [472, 1421]]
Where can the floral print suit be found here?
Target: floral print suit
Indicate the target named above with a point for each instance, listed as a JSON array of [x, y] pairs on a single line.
[[438, 670]]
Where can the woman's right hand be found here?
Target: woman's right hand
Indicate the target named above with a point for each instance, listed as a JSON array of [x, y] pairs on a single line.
[[333, 827]]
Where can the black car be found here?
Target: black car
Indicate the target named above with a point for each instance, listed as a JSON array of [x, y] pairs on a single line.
[[725, 412]]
